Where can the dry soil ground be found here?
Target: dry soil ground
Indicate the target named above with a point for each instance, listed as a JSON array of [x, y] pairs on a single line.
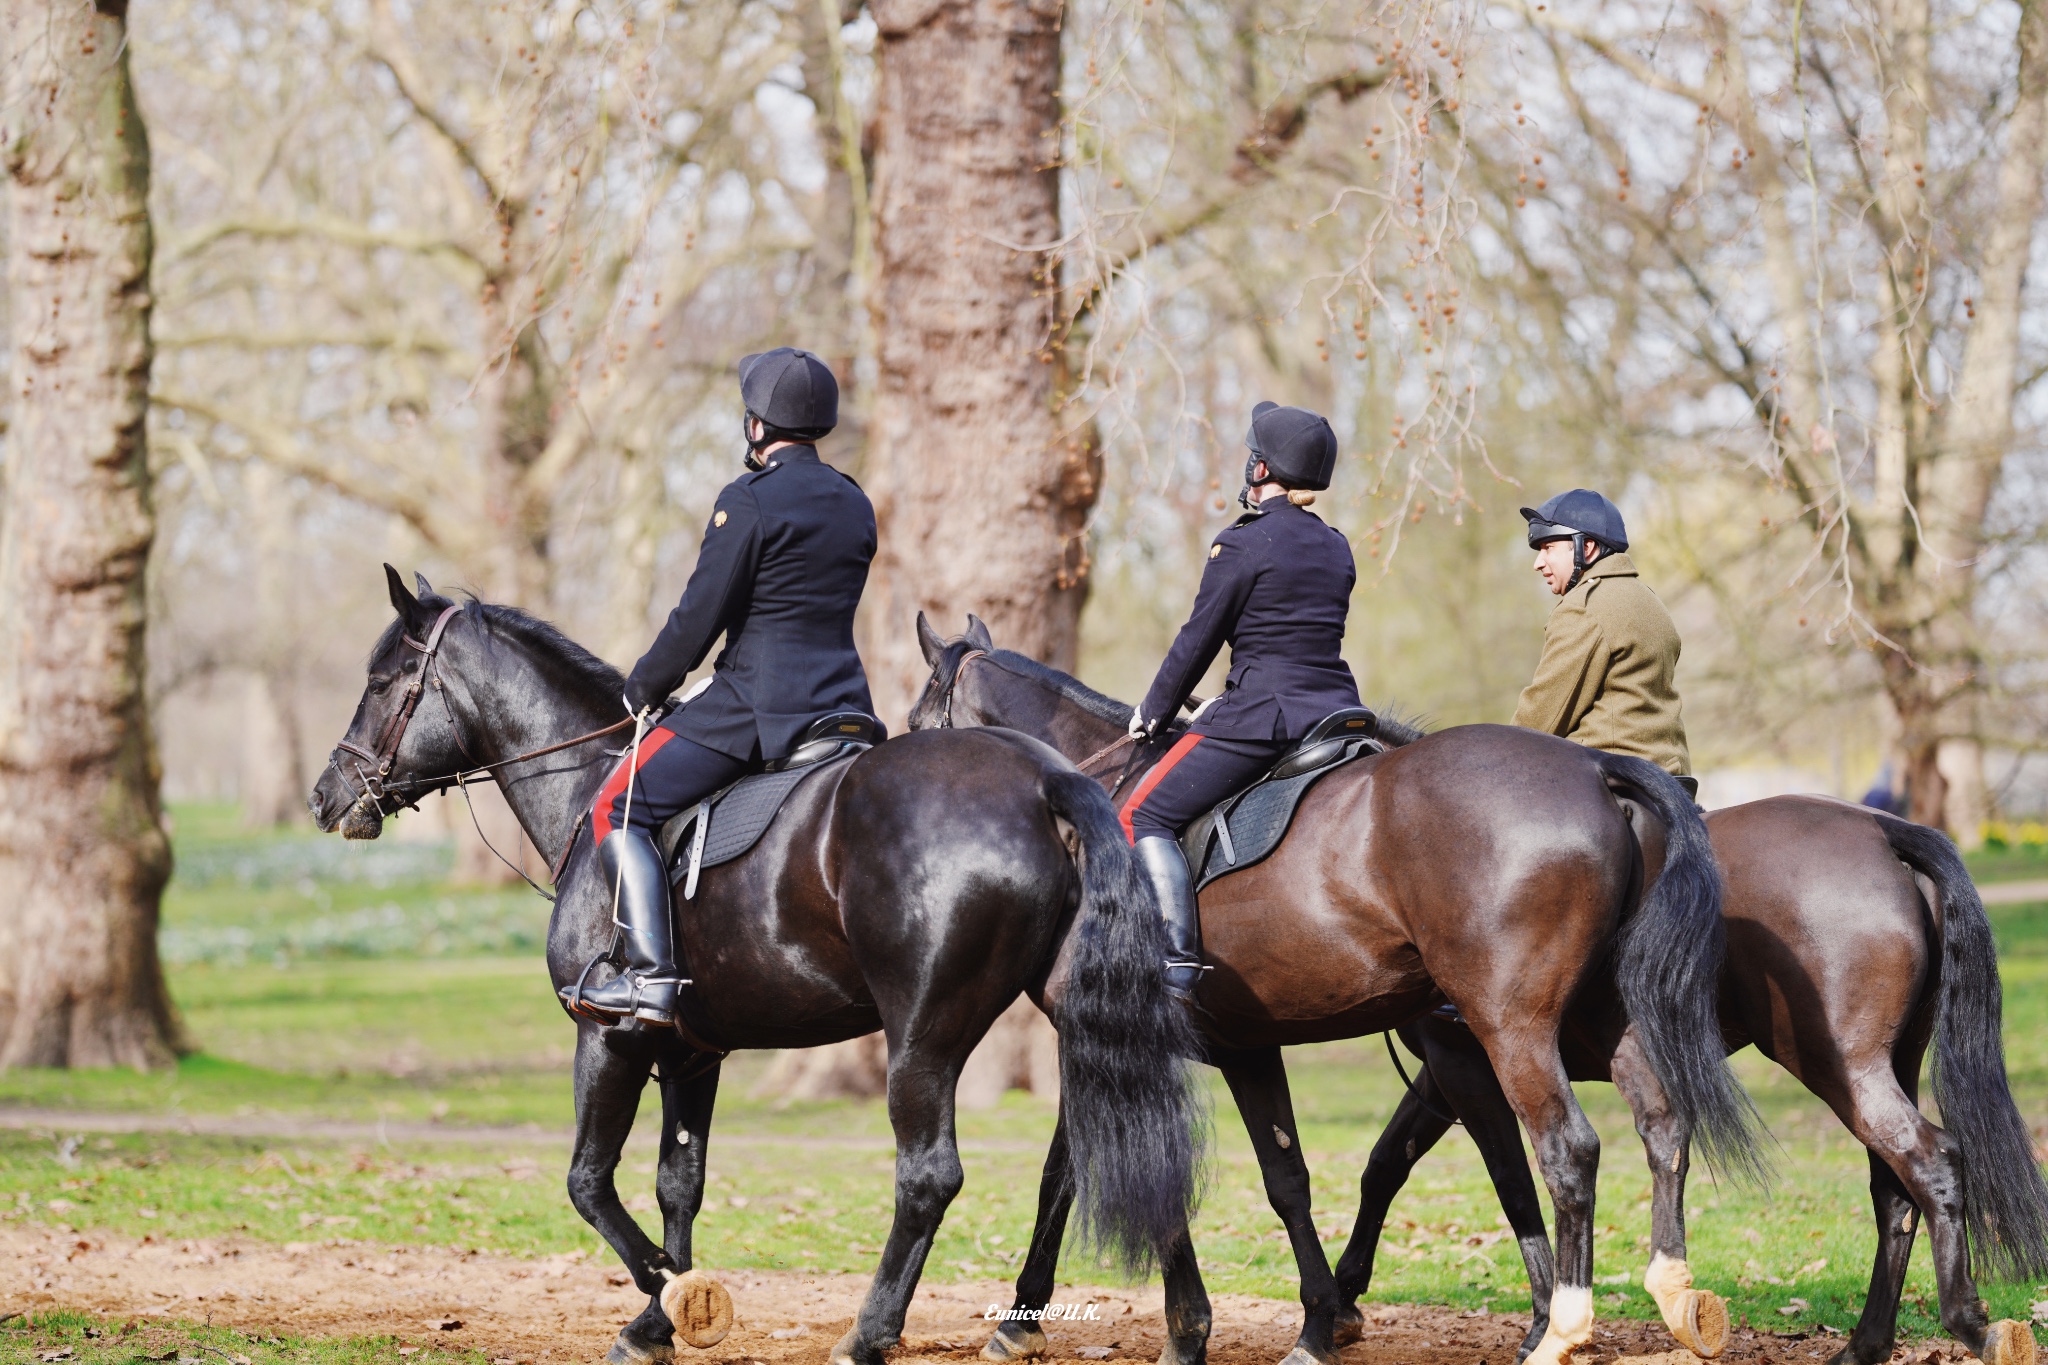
[[567, 1309]]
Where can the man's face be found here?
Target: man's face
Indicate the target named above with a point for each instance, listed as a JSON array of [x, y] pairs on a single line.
[[1554, 562]]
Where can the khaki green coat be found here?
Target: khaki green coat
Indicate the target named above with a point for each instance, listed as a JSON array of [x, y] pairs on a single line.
[[1607, 677]]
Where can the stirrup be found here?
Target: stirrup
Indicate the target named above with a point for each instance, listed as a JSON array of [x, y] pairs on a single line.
[[1177, 990]]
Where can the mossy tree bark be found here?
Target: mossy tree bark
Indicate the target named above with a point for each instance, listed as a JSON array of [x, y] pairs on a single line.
[[83, 855]]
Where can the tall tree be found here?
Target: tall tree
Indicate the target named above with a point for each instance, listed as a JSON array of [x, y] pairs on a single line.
[[981, 494], [1798, 235], [83, 856]]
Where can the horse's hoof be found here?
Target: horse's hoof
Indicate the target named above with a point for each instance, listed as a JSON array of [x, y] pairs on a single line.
[[1348, 1328], [851, 1350], [1700, 1322], [2009, 1343], [699, 1307], [1003, 1346], [626, 1351], [1301, 1355]]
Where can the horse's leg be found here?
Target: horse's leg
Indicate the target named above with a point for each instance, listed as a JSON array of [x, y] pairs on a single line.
[[1897, 1220], [1022, 1335], [928, 1175], [1187, 1306], [1411, 1132], [679, 1174], [1258, 1081], [1532, 1077], [608, 1086], [1928, 1163], [1697, 1317], [1456, 1078]]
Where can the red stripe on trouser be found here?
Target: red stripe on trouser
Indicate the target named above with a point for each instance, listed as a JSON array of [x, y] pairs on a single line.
[[1181, 749], [615, 786]]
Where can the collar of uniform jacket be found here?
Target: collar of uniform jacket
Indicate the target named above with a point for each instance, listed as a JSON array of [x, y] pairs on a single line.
[[794, 454], [1606, 566]]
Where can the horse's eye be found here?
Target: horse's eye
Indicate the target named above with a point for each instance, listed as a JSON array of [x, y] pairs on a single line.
[[380, 685]]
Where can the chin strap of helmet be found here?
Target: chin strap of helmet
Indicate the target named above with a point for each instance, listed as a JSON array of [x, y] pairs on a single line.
[[1579, 539], [752, 458], [1244, 494]]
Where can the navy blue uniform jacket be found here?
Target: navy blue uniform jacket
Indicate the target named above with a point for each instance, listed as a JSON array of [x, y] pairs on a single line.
[[1276, 589], [780, 574]]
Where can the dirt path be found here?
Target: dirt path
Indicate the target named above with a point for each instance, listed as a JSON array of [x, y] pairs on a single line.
[[566, 1309]]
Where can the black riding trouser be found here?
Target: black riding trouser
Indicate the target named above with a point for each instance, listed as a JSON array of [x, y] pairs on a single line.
[[673, 775], [1198, 772]]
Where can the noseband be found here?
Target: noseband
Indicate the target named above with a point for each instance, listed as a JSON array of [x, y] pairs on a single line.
[[380, 759]]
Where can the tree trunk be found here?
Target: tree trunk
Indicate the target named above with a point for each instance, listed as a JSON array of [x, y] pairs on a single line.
[[981, 495], [83, 857]]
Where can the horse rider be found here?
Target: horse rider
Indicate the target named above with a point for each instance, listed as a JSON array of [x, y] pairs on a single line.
[[1277, 588], [1607, 678], [780, 573]]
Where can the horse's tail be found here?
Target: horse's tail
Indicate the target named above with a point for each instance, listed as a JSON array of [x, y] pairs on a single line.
[[1135, 1124], [2004, 1198], [1669, 971]]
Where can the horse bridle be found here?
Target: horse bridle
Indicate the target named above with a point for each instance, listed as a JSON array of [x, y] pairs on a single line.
[[385, 753], [376, 786], [946, 695]]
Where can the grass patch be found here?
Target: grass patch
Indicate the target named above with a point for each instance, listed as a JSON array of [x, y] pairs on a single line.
[[346, 1031], [86, 1339]]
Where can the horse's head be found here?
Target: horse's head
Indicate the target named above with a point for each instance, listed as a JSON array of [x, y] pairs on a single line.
[[404, 741], [974, 683], [949, 699]]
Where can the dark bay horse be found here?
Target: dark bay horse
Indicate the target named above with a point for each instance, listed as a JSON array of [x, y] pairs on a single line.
[[1853, 937], [917, 888], [1486, 866]]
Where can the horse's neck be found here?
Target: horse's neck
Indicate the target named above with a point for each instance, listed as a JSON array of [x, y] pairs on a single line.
[[547, 794]]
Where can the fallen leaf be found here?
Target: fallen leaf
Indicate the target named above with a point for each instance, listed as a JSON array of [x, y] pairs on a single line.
[[1093, 1353]]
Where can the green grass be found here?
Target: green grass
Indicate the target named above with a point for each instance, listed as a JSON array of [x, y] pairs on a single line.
[[2020, 863], [91, 1340], [472, 1040]]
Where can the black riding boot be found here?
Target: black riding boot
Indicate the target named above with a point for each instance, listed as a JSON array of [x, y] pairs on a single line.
[[647, 988], [1167, 866]]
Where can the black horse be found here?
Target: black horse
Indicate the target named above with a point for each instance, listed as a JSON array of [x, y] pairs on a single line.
[[917, 888], [1486, 866], [1856, 938]]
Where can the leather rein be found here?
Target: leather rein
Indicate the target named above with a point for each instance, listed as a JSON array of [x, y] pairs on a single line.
[[375, 784]]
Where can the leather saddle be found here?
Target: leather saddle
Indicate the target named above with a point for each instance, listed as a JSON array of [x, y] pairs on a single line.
[[1248, 826], [732, 820]]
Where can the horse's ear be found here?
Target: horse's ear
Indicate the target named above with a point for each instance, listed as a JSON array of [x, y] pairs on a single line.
[[426, 588], [402, 601], [977, 633], [928, 640]]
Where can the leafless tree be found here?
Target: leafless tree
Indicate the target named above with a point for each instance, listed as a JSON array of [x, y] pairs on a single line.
[[83, 857]]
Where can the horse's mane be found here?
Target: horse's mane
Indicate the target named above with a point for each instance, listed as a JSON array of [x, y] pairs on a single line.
[[1393, 729], [542, 638], [1068, 686]]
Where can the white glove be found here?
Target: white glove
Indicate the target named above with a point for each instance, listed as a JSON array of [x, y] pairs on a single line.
[[1139, 729]]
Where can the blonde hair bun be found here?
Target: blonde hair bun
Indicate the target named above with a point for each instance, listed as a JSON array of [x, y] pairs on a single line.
[[1300, 497]]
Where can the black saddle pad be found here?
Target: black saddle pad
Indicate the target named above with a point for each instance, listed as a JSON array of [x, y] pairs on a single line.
[[1255, 820], [738, 817]]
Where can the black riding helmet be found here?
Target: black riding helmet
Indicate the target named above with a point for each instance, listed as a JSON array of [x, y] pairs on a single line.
[[793, 395], [1298, 447], [1579, 515]]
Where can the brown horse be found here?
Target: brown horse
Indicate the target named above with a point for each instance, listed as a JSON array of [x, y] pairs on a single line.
[[1853, 937], [917, 888], [1487, 866]]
